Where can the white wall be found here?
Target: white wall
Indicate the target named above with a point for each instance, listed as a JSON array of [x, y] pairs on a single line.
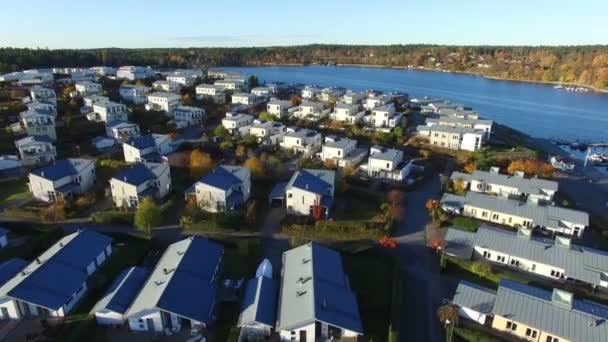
[[299, 201], [310, 333], [136, 325], [11, 306], [107, 317], [472, 315]]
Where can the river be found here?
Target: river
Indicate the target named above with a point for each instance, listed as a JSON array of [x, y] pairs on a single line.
[[536, 109]]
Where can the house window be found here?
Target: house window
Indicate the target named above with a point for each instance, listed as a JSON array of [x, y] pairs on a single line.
[[500, 258], [484, 214], [551, 339], [515, 262], [494, 216], [557, 274], [531, 333], [511, 326], [487, 254], [533, 267]]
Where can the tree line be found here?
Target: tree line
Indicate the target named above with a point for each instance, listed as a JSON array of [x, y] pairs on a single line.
[[585, 65]]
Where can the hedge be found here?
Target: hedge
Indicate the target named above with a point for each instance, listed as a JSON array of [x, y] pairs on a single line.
[[113, 217]]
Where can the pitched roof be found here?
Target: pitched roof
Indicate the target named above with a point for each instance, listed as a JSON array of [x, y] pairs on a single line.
[[53, 278], [296, 132], [136, 174], [315, 288], [182, 282], [584, 321], [62, 168], [225, 176], [144, 141], [383, 153], [123, 290], [338, 142], [259, 303], [10, 268], [119, 124], [525, 185], [31, 139], [316, 181], [475, 297]]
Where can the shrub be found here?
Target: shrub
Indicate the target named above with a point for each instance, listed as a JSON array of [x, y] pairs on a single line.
[[113, 217]]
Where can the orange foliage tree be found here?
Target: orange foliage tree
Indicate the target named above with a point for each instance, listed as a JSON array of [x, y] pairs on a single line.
[[470, 168], [531, 167], [317, 209]]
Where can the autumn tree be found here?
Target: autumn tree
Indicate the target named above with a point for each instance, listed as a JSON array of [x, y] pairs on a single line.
[[53, 213], [296, 100], [187, 99], [200, 163], [531, 167], [470, 168], [448, 315], [256, 166], [147, 216], [251, 212], [459, 186], [317, 209]]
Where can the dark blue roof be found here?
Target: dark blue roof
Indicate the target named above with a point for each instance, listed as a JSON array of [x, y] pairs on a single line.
[[221, 178], [335, 303], [278, 191], [10, 268], [142, 142], [308, 181], [58, 170], [135, 175], [125, 288], [191, 292], [266, 305], [3, 231], [58, 278]]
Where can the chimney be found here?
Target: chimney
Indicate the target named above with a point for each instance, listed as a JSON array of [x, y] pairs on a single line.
[[495, 169]]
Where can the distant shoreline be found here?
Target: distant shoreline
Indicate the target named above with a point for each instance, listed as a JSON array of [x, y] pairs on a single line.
[[591, 88]]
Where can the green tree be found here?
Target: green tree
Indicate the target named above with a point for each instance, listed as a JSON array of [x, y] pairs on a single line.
[[481, 268], [221, 131], [267, 117], [147, 216]]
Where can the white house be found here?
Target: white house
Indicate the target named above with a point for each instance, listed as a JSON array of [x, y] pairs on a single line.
[[138, 181], [243, 98], [103, 71], [122, 130], [352, 98], [225, 188], [374, 100], [349, 113], [42, 106], [561, 163], [310, 93], [147, 148], [163, 102], [301, 140], [54, 283], [183, 77], [279, 108], [133, 73], [166, 86], [188, 116], [89, 101], [388, 164], [36, 150], [314, 282], [87, 88], [308, 188], [267, 132], [38, 122], [216, 93], [310, 111], [342, 151], [330, 94], [455, 138], [133, 93], [62, 179], [385, 116], [451, 121], [181, 291], [474, 302], [237, 123], [261, 93], [231, 85], [108, 111], [110, 309], [38, 93], [516, 186]]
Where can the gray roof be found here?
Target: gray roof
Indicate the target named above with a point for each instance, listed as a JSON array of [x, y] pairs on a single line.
[[583, 321], [542, 215], [339, 142], [301, 133], [578, 262], [386, 153], [459, 121], [448, 129], [163, 94], [525, 185], [475, 297], [384, 108], [314, 180], [347, 106], [282, 103]]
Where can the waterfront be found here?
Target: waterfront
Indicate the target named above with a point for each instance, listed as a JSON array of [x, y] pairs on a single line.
[[535, 109]]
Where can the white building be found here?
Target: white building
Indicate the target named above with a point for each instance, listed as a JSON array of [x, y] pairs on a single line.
[[139, 181], [388, 164], [243, 98], [374, 100], [38, 93], [89, 101], [62, 179], [261, 93], [54, 283], [385, 116], [133, 93], [455, 138], [216, 93], [188, 116], [180, 293], [316, 302], [133, 73], [349, 113], [451, 121], [301, 140], [267, 132], [352, 98], [237, 123], [342, 151], [231, 85], [183, 77], [330, 94], [88, 88], [163, 102], [37, 122], [225, 188], [103, 71], [108, 111], [166, 86], [310, 111], [36, 150], [122, 130], [308, 188], [310, 93], [42, 106], [147, 148], [259, 305], [279, 108]]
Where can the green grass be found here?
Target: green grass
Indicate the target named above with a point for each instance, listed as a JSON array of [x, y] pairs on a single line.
[[241, 257], [356, 204], [13, 190], [470, 335], [37, 239], [224, 329], [466, 223], [462, 269], [371, 279]]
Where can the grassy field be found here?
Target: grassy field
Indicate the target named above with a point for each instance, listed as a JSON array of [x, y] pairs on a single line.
[[462, 269], [466, 223], [356, 204], [13, 190], [470, 335]]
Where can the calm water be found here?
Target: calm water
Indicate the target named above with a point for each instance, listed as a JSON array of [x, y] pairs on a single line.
[[536, 109]]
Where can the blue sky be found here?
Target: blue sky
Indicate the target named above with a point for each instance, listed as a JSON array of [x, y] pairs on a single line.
[[225, 23]]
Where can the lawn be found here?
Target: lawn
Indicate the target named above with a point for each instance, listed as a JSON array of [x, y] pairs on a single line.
[[466, 223], [462, 269], [13, 190], [470, 335], [356, 204]]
